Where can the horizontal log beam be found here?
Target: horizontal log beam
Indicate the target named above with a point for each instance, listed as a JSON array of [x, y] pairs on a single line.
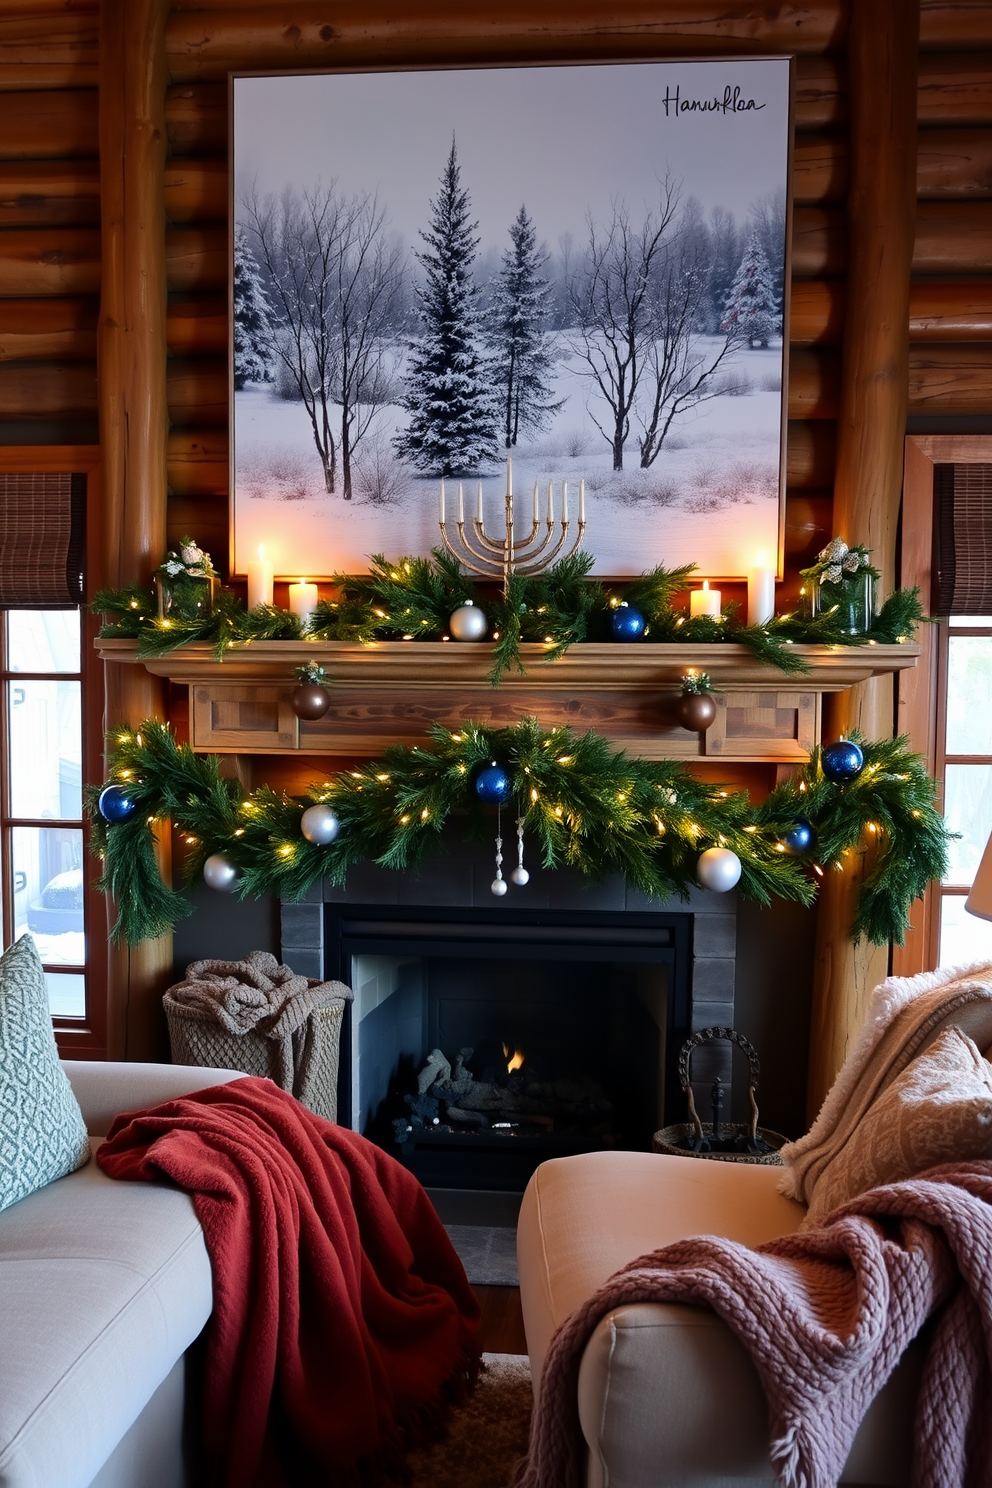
[[819, 242], [952, 23], [196, 259], [953, 237], [950, 379], [954, 162], [38, 261], [35, 391], [808, 519], [48, 49], [957, 311], [197, 462], [49, 125], [49, 193], [955, 88], [810, 453], [816, 312], [48, 330], [196, 118], [207, 44], [197, 327], [196, 191]]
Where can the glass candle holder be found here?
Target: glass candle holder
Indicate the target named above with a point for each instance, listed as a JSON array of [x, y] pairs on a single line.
[[184, 596], [851, 601]]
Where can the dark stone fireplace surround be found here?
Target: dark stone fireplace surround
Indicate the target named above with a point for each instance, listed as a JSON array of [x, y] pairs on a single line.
[[460, 880]]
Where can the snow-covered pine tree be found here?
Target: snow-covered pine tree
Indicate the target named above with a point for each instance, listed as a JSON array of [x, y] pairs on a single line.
[[519, 309], [254, 350], [448, 392], [752, 305]]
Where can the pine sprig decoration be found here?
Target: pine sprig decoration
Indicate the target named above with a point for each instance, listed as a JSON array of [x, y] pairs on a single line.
[[410, 599], [587, 806]]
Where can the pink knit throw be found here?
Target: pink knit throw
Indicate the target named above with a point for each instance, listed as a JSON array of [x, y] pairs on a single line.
[[825, 1316]]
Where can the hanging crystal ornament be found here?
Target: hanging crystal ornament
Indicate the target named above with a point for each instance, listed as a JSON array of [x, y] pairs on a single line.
[[499, 884], [520, 875]]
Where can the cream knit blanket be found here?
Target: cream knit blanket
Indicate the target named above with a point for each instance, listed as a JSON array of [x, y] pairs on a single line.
[[905, 1014]]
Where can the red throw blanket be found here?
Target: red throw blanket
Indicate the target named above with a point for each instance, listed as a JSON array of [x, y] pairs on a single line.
[[825, 1316], [342, 1317]]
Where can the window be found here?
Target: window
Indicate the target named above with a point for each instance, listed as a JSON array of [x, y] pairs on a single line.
[[964, 760], [51, 710]]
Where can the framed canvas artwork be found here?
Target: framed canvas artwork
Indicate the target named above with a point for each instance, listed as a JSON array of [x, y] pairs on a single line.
[[576, 273]]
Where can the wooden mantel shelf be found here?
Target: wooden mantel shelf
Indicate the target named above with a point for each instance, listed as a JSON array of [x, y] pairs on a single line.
[[390, 692]]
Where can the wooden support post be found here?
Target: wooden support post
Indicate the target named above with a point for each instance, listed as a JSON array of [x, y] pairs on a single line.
[[882, 59], [131, 352]]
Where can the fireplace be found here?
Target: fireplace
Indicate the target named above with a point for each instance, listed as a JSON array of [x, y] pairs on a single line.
[[593, 983]]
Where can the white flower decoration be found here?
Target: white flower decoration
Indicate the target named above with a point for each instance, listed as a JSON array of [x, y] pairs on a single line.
[[834, 552], [833, 573], [853, 562], [192, 554], [172, 567]]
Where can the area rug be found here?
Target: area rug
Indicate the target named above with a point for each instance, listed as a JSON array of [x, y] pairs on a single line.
[[485, 1437], [488, 1253]]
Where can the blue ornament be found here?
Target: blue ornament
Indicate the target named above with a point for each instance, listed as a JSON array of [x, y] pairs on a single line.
[[492, 784], [626, 623], [115, 804], [798, 839], [842, 761]]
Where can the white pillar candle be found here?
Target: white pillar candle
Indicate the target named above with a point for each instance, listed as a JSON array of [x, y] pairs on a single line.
[[302, 600], [260, 580], [705, 601], [760, 592]]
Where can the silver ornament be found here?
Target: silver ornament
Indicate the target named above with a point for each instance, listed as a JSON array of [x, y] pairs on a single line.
[[468, 622], [319, 824], [520, 876], [220, 873], [718, 869], [499, 887]]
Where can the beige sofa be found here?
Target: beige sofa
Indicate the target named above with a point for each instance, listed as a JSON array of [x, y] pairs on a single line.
[[103, 1288], [668, 1397]]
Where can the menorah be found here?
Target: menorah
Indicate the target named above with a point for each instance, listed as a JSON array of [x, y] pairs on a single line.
[[531, 554]]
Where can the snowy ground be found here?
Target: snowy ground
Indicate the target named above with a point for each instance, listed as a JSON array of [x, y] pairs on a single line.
[[711, 497]]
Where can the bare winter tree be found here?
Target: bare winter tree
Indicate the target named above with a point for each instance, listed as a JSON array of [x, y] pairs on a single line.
[[679, 365], [614, 310], [335, 281]]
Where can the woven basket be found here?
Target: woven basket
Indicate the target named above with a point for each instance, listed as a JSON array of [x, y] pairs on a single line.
[[197, 1038], [754, 1144]]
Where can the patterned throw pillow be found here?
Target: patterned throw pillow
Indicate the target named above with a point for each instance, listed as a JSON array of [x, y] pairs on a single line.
[[938, 1110], [42, 1132]]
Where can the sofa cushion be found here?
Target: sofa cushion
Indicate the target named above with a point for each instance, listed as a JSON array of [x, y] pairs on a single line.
[[42, 1134], [103, 1286], [938, 1110]]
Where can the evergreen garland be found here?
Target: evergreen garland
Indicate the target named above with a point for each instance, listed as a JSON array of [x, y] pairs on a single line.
[[587, 805], [412, 599]]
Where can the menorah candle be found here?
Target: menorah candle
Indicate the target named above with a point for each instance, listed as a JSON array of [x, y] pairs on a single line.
[[564, 502], [259, 580], [509, 474], [705, 601], [442, 498], [461, 506], [537, 513], [302, 600], [582, 500], [760, 592], [551, 502], [478, 504]]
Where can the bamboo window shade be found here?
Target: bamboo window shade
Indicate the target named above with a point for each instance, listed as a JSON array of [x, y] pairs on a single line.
[[963, 540], [42, 536]]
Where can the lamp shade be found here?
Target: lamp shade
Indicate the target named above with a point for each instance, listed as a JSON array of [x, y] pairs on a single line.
[[979, 901]]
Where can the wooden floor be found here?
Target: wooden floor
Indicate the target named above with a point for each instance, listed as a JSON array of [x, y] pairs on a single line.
[[502, 1327]]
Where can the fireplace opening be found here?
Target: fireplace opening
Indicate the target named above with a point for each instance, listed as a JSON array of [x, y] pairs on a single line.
[[597, 1005]]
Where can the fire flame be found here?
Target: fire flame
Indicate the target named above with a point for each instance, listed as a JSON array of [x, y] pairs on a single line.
[[514, 1060]]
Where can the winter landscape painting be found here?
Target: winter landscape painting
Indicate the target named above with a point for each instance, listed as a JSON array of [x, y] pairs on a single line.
[[581, 266]]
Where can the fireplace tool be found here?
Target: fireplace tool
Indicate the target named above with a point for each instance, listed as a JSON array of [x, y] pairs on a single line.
[[727, 1141]]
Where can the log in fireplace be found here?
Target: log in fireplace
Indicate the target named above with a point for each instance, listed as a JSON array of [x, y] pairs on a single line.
[[596, 985]]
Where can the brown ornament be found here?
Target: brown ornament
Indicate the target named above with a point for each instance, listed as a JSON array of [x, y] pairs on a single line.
[[310, 700], [695, 711]]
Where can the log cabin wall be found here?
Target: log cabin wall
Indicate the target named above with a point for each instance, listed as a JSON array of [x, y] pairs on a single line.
[[50, 234]]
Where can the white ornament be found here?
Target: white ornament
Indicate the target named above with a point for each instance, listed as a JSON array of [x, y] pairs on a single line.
[[319, 824], [468, 622], [499, 887], [220, 873], [718, 869], [520, 876]]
